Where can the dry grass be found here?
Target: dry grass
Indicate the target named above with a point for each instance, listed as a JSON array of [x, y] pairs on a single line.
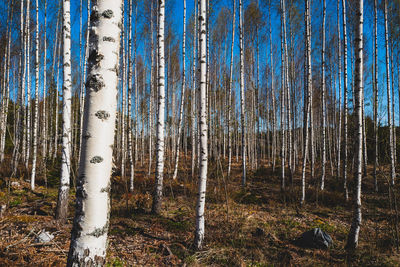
[[253, 226]]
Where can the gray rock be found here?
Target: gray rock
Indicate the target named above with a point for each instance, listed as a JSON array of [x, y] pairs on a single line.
[[315, 238]]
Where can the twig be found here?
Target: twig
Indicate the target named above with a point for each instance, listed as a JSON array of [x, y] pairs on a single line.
[[22, 240]]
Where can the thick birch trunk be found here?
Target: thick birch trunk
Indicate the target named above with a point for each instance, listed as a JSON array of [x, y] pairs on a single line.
[[203, 153], [89, 234], [157, 197]]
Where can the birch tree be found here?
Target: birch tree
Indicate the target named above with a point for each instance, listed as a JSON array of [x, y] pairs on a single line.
[[36, 117], [230, 90], [63, 191], [157, 197], [352, 239], [389, 100], [376, 90], [180, 122], [323, 98], [242, 96], [346, 194], [89, 233], [203, 153], [307, 97]]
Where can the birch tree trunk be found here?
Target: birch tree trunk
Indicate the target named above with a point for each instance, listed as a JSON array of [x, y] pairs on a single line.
[[44, 111], [376, 90], [200, 229], [151, 90], [339, 139], [307, 100], [180, 123], [157, 197], [274, 145], [193, 100], [323, 98], [352, 239], [63, 191], [36, 118], [230, 91], [28, 87], [129, 113], [82, 96], [389, 100], [345, 101], [242, 96], [89, 234]]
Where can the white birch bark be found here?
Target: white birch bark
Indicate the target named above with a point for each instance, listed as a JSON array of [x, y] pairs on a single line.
[[242, 96], [376, 90], [230, 90], [389, 100], [89, 234], [129, 113], [28, 86], [307, 96], [157, 197], [203, 153], [63, 192], [44, 110], [352, 240], [339, 139], [345, 101], [323, 100], [82, 96], [180, 122], [36, 118], [193, 100], [151, 90]]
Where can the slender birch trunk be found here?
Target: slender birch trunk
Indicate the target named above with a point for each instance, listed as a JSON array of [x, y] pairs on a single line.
[[89, 233], [20, 100], [352, 240], [157, 197], [44, 110], [36, 118], [345, 111], [180, 123], [200, 228], [230, 91], [151, 90], [63, 192], [242, 96], [28, 87], [274, 145], [82, 96], [129, 113], [339, 139], [323, 99], [376, 90], [389, 100], [307, 98]]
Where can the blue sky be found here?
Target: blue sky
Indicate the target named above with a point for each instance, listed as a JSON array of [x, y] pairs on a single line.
[[174, 13]]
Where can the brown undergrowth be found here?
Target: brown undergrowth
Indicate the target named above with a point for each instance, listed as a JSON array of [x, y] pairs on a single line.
[[252, 226]]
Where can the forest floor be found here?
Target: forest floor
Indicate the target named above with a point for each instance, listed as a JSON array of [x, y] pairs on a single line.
[[252, 226]]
